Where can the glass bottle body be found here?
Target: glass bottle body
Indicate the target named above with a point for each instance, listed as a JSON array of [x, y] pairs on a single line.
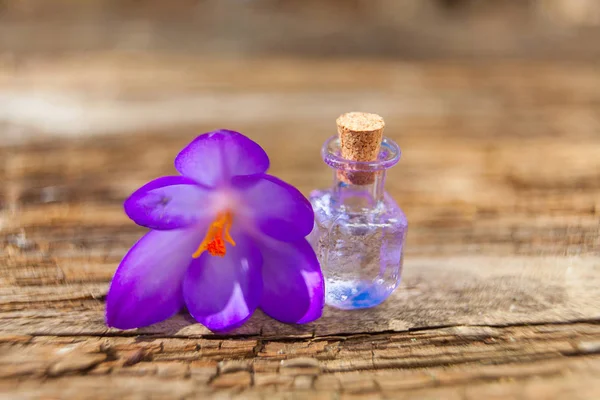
[[359, 232]]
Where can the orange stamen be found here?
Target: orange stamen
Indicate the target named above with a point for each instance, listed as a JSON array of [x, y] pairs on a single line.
[[217, 235]]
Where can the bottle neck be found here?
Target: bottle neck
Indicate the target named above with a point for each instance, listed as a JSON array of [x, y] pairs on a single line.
[[358, 197]]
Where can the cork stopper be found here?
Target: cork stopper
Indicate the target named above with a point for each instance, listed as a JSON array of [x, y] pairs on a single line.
[[360, 140]]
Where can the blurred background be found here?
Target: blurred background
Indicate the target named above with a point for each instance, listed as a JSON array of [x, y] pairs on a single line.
[[309, 28], [494, 102], [70, 67], [477, 93]]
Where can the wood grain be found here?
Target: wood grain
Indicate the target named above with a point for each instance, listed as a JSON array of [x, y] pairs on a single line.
[[500, 180]]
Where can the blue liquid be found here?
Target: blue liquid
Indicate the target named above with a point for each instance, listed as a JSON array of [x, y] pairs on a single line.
[[350, 295]]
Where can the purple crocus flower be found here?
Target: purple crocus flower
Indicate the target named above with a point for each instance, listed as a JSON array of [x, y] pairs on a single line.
[[226, 239]]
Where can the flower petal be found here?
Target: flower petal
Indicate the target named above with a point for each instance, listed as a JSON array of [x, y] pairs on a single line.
[[170, 202], [293, 286], [223, 292], [215, 157], [147, 285], [279, 209]]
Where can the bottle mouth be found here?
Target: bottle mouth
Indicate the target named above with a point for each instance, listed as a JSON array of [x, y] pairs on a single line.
[[389, 155]]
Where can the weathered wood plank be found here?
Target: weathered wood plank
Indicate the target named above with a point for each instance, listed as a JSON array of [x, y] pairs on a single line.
[[436, 291], [507, 359], [140, 92], [500, 179]]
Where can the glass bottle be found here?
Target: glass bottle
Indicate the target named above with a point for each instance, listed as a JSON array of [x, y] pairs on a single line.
[[359, 229]]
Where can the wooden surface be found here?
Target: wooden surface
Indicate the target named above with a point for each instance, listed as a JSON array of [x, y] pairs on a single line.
[[500, 180], [425, 29]]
